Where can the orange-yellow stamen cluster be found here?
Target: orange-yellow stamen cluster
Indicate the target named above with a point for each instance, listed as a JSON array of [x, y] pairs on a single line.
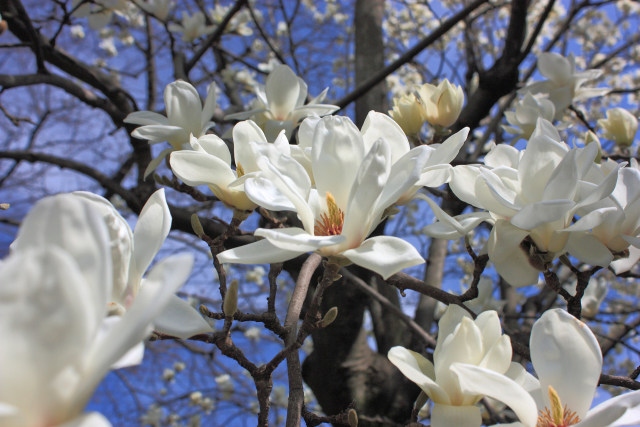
[[557, 416], [330, 223]]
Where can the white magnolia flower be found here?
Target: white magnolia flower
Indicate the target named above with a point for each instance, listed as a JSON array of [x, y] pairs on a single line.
[[620, 125], [192, 26], [209, 163], [280, 103], [564, 83], [133, 251], [442, 104], [57, 344], [353, 188], [523, 119], [407, 112], [531, 196], [567, 359], [185, 116], [99, 12], [465, 345], [593, 296], [158, 8]]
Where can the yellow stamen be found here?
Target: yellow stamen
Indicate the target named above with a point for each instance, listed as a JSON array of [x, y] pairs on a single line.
[[239, 170], [557, 416], [330, 223]]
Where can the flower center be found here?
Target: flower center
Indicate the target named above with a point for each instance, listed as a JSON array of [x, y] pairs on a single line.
[[239, 170], [557, 416], [330, 223]]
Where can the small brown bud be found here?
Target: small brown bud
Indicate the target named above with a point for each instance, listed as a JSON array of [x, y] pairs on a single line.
[[353, 418], [329, 317]]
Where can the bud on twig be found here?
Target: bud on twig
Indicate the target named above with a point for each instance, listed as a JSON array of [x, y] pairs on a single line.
[[197, 225], [231, 300], [329, 317], [353, 417]]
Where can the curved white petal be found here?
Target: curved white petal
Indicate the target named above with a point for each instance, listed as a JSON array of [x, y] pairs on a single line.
[[386, 255], [485, 382], [159, 133], [264, 193], [510, 260], [297, 239], [183, 106], [415, 367], [536, 214], [623, 410], [152, 228], [155, 162], [92, 419], [554, 336], [452, 415], [587, 248], [378, 125], [209, 106], [197, 168], [180, 319], [282, 89], [448, 150], [146, 118], [212, 144], [260, 252]]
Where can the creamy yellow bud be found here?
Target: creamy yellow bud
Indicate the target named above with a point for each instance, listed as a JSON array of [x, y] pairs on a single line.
[[196, 225], [442, 104], [407, 112], [620, 126], [592, 138], [353, 418]]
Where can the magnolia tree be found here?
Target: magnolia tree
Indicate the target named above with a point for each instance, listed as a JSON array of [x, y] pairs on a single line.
[[384, 213]]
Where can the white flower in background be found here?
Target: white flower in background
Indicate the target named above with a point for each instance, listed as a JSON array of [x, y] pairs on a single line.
[[407, 112], [353, 188], [531, 196], [133, 251], [192, 27], [567, 359], [107, 44], [253, 333], [57, 344], [158, 8], [464, 345], [99, 12], [564, 83], [77, 32], [239, 22], [225, 385], [523, 119], [280, 103], [620, 126], [594, 294], [442, 104], [209, 162], [185, 116]]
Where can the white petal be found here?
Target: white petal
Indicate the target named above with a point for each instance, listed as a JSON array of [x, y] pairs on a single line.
[[297, 239], [378, 125], [245, 133], [282, 89], [209, 106], [215, 146], [152, 228], [450, 415], [155, 162], [159, 133], [587, 248], [183, 105], [623, 410], [448, 150], [404, 178], [260, 252], [415, 367], [197, 168], [625, 264], [180, 319], [264, 193], [485, 382], [508, 257], [146, 118], [386, 255], [536, 214], [92, 419], [555, 335], [338, 150]]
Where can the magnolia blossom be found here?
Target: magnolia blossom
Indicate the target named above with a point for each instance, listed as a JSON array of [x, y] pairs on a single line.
[[280, 103], [523, 119], [442, 104], [465, 344], [99, 12], [593, 296], [568, 361], [158, 8], [185, 116], [620, 126], [131, 255], [407, 112], [57, 344], [353, 188], [531, 196], [564, 83], [210, 162], [192, 26]]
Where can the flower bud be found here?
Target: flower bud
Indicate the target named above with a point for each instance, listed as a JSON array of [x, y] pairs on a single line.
[[592, 138], [620, 126], [407, 112], [442, 104], [231, 299], [197, 225], [329, 317], [353, 418]]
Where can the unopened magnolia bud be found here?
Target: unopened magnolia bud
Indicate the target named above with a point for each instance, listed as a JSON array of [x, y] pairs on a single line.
[[620, 126], [197, 225], [407, 112], [442, 104], [231, 299], [592, 138], [329, 317], [4, 206], [353, 418]]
